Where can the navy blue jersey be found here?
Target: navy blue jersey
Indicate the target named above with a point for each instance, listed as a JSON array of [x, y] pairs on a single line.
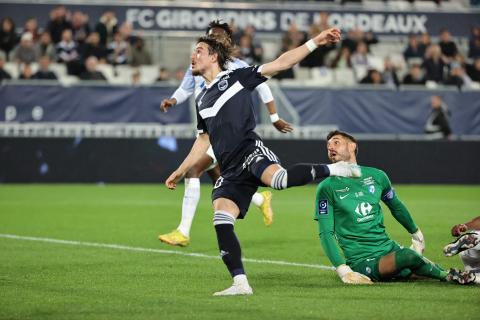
[[225, 112]]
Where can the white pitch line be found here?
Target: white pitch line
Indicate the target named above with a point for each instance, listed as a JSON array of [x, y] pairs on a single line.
[[139, 249]]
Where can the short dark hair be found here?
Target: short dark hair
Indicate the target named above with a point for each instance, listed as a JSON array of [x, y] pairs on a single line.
[[345, 135], [215, 46], [222, 25]]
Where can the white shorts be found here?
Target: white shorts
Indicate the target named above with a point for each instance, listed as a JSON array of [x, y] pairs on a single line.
[[214, 159]]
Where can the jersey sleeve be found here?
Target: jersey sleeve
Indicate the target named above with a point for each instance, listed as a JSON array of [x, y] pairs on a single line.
[[264, 92], [324, 214], [186, 88], [250, 77], [397, 208]]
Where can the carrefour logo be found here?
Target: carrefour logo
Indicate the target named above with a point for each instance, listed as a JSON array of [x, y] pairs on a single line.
[[364, 209]]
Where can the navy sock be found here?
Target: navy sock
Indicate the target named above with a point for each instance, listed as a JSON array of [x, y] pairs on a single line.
[[230, 249], [304, 173]]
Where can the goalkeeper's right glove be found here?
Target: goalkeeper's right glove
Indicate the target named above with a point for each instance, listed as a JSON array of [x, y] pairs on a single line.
[[349, 276]]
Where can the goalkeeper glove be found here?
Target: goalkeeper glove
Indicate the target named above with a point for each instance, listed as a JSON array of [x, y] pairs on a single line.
[[349, 276], [418, 242]]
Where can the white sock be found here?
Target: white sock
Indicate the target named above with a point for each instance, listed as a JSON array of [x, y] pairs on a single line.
[[189, 206], [257, 199], [240, 279]]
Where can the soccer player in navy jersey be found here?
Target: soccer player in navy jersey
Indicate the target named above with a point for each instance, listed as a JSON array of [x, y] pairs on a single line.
[[226, 121], [193, 85]]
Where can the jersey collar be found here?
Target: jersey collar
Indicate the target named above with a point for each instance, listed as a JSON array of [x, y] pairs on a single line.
[[221, 74]]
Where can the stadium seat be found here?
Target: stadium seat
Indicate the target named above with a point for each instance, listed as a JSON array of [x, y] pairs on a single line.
[[123, 74], [13, 69], [322, 76], [59, 69], [107, 71], [148, 73], [301, 73], [344, 76]]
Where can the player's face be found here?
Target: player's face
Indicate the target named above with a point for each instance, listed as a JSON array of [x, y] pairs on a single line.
[[337, 148], [201, 59]]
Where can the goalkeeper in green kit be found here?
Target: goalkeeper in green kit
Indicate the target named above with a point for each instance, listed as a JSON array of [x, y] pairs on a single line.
[[350, 218]]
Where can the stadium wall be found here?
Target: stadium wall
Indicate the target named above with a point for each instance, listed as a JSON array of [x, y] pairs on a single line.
[[32, 160]]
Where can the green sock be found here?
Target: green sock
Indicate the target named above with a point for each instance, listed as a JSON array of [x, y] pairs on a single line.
[[408, 258]]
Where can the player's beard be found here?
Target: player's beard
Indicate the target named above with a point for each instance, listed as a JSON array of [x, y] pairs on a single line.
[[196, 73]]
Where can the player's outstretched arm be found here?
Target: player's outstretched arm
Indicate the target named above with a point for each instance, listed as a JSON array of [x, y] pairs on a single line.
[[294, 56], [182, 93], [279, 124], [199, 148]]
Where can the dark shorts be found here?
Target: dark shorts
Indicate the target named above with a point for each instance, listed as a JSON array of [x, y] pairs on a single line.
[[241, 186], [369, 267]]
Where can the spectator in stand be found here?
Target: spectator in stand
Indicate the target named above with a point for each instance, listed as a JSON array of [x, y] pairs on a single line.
[[27, 72], [179, 74], [126, 30], [458, 77], [438, 123], [44, 72], [323, 20], [247, 51], [117, 50], [139, 55], [317, 57], [25, 51], [342, 60], [473, 70], [58, 23], [80, 27], [389, 74], [474, 43], [8, 37], [163, 75], [355, 36], [67, 52], [93, 47], [45, 47], [413, 50], [360, 60], [447, 46], [414, 76], [91, 72], [31, 25], [373, 77], [434, 64], [107, 27], [4, 75], [292, 38], [257, 45], [425, 42]]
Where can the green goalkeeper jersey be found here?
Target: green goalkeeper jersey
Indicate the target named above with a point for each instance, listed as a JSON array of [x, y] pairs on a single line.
[[349, 213]]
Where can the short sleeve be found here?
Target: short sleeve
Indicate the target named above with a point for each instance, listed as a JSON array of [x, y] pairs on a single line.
[[388, 193], [250, 77]]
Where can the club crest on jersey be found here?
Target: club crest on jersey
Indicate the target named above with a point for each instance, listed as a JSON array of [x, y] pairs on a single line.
[[323, 207], [371, 189], [222, 85]]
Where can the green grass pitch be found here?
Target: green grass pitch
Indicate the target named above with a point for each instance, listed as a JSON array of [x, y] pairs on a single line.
[[72, 280]]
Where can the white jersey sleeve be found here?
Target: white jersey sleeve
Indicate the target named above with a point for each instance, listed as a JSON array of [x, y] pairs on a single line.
[[186, 88]]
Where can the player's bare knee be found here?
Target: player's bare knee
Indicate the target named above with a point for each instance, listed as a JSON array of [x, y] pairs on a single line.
[[279, 179]]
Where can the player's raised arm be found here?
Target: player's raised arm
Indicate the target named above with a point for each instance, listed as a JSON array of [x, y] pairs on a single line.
[[294, 56]]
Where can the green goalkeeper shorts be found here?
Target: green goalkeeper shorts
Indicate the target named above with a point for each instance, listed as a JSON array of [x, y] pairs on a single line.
[[369, 267]]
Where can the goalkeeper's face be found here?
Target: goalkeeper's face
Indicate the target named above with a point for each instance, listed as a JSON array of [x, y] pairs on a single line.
[[340, 149]]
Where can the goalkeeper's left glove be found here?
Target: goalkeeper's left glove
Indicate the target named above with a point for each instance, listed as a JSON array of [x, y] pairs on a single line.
[[418, 242]]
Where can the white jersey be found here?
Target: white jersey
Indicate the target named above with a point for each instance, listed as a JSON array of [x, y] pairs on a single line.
[[194, 84]]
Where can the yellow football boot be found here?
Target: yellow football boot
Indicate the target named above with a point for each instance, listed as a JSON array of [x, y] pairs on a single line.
[[175, 238], [266, 208]]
